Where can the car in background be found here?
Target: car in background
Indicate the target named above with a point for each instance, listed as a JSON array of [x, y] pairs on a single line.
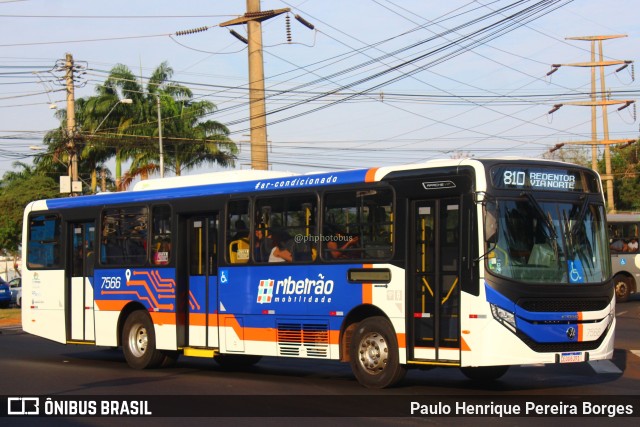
[[5, 294], [15, 286]]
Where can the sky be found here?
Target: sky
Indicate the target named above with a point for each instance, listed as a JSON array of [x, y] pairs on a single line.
[[375, 83]]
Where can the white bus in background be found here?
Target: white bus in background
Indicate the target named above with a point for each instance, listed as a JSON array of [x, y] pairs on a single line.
[[625, 256]]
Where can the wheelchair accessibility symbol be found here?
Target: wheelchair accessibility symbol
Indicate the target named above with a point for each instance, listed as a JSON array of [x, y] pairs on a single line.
[[224, 276], [576, 272]]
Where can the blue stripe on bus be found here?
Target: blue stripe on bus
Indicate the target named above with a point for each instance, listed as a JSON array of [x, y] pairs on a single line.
[[297, 181], [548, 333], [527, 321], [286, 289]]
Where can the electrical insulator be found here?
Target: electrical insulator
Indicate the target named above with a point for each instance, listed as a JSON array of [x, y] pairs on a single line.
[[288, 26], [304, 22], [191, 31]]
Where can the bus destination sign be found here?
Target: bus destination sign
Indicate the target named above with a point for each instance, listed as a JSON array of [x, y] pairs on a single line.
[[506, 177]]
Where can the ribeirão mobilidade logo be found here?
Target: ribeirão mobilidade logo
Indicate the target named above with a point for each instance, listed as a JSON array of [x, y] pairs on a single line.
[[289, 290]]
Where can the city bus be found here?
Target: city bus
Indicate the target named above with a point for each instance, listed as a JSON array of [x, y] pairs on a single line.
[[625, 258], [477, 264]]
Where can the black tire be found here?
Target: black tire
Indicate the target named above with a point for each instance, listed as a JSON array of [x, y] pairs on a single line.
[[623, 287], [236, 361], [485, 373], [374, 355], [139, 342]]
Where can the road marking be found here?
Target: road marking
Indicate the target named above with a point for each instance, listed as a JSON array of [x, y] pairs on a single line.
[[621, 313], [636, 352], [604, 367]]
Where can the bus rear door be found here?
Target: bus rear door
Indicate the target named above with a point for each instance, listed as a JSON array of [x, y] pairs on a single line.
[[80, 312], [203, 281]]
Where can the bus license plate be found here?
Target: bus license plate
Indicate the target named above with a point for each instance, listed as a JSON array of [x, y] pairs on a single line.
[[573, 357]]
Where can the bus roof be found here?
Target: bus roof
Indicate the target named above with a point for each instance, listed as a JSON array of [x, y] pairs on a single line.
[[246, 181]]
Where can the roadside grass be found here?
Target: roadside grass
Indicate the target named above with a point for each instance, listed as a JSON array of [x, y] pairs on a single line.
[[10, 315]]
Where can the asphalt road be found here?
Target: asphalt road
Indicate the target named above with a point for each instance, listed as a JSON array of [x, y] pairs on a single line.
[[32, 366]]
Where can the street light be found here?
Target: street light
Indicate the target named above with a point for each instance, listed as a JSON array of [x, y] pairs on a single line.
[[160, 135], [121, 101]]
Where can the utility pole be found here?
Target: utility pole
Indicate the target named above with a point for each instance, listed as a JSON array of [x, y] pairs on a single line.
[[257, 111], [71, 123], [603, 103]]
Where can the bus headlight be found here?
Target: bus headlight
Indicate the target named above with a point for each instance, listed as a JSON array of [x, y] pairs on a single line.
[[503, 316]]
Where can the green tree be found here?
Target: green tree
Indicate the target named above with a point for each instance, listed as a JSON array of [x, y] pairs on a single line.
[[626, 177], [190, 141], [17, 189]]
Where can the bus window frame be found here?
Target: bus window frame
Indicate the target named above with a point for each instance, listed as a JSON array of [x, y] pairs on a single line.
[[145, 242], [151, 234], [58, 247], [392, 223]]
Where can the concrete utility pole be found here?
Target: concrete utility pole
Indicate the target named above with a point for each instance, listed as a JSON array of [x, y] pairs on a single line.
[[593, 103], [71, 122], [257, 111]]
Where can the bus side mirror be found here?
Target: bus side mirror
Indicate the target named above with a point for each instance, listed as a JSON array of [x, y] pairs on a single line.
[[490, 224]]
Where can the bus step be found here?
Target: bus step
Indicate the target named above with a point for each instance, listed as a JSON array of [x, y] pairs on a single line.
[[199, 352]]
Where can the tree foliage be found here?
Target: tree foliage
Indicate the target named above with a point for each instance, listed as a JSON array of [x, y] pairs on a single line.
[[17, 189]]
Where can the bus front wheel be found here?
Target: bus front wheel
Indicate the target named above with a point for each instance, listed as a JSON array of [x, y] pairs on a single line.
[[623, 287], [139, 342], [374, 355]]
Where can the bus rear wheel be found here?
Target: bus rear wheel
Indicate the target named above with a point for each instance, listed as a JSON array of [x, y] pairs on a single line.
[[374, 355], [623, 287], [139, 342]]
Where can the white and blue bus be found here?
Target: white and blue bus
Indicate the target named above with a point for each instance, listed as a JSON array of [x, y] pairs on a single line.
[[475, 264], [624, 232]]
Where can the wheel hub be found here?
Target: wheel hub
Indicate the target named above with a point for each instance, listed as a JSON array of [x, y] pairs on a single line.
[[138, 340], [374, 352]]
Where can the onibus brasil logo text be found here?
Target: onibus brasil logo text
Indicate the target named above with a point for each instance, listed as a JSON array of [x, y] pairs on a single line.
[[290, 290]]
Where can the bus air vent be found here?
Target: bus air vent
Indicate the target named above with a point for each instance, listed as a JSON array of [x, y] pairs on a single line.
[[303, 339]]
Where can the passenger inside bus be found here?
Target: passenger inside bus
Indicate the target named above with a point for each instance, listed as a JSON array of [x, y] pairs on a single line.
[[342, 245], [282, 248], [632, 246], [262, 244]]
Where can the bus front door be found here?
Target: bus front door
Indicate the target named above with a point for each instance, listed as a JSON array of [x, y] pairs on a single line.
[[203, 282], [80, 322], [434, 324]]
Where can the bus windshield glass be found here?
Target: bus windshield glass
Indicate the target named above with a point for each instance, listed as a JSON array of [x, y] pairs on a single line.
[[548, 242]]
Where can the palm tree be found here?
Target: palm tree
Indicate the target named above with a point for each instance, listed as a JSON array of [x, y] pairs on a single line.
[[191, 142]]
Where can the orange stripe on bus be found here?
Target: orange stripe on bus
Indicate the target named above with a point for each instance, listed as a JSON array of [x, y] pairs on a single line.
[[367, 293], [197, 319], [580, 328], [110, 305], [371, 175], [402, 340], [463, 345], [163, 318], [367, 289]]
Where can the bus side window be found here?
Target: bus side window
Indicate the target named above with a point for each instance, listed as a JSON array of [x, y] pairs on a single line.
[[124, 236], [238, 247], [43, 248], [161, 235]]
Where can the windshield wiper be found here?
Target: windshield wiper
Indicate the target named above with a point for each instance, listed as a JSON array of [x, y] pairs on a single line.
[[580, 217], [541, 213]]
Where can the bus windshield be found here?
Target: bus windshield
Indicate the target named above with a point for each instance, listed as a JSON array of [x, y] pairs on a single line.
[[548, 242]]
